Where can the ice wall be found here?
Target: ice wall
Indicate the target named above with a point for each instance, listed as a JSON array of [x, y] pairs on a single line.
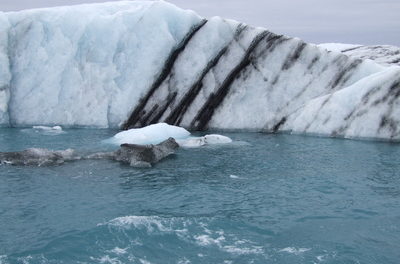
[[5, 75], [131, 64], [88, 65]]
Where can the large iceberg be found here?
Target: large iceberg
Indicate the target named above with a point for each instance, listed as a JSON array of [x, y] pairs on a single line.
[[131, 64]]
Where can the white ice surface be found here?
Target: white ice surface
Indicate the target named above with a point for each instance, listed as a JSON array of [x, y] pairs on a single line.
[[5, 75], [356, 110], [88, 65], [46, 128], [383, 54], [152, 134], [212, 139], [338, 47]]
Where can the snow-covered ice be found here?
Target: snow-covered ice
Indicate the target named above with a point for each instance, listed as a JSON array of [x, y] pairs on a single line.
[[382, 54]]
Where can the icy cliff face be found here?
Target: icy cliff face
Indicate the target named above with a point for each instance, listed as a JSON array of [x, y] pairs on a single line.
[[5, 75], [131, 64], [88, 65]]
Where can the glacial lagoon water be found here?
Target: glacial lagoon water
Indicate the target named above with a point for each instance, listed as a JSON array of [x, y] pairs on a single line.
[[262, 199]]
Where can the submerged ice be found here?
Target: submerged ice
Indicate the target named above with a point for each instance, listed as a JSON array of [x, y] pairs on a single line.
[[131, 154], [132, 64]]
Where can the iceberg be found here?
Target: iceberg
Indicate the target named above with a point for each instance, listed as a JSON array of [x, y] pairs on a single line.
[[212, 139], [134, 155], [152, 134], [157, 133], [132, 64]]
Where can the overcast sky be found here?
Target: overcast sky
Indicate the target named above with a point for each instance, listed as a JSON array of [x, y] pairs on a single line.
[[317, 21]]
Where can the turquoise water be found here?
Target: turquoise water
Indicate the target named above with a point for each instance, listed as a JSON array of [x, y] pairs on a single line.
[[262, 199]]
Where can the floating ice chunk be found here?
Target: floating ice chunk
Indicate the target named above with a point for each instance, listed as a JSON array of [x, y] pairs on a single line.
[[217, 139], [212, 139], [38, 157], [152, 134], [58, 128], [47, 130]]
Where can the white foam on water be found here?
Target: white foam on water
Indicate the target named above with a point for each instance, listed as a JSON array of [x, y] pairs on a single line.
[[119, 251], [144, 261], [224, 243], [3, 259], [295, 251], [244, 250], [233, 176], [205, 237], [184, 261], [206, 240], [106, 260], [149, 222]]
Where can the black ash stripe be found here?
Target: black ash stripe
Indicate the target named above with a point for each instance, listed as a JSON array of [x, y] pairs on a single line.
[[200, 122], [344, 74], [176, 115], [292, 58], [137, 113], [156, 118]]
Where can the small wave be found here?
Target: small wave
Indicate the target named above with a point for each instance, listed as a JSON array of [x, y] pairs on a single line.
[[295, 251], [200, 232], [106, 260], [150, 223], [119, 251], [205, 240]]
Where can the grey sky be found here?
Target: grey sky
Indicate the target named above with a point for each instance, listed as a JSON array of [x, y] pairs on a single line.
[[317, 21]]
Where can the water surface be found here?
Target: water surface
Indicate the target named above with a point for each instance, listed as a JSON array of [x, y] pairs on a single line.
[[262, 199]]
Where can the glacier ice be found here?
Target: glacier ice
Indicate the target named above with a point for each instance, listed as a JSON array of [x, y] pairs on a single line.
[[134, 155], [212, 139], [152, 134], [382, 54], [131, 64], [5, 75], [156, 133], [46, 128], [37, 157]]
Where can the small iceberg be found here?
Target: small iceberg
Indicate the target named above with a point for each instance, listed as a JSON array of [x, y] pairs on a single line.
[[47, 128], [212, 139], [154, 134], [132, 154]]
